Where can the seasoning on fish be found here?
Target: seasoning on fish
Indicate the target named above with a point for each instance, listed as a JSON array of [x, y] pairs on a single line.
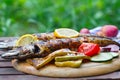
[[43, 37], [44, 48]]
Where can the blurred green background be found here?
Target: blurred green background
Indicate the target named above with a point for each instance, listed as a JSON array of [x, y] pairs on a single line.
[[18, 17]]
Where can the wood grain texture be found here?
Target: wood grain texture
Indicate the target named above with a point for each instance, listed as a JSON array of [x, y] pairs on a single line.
[[5, 65], [32, 77], [7, 72], [86, 69]]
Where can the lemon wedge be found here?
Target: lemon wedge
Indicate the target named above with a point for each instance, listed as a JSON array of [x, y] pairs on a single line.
[[65, 33], [26, 39]]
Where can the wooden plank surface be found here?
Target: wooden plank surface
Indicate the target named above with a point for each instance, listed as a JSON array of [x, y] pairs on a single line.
[[5, 64], [7, 72], [32, 77]]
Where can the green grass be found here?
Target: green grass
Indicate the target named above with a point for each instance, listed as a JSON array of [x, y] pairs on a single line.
[[18, 17]]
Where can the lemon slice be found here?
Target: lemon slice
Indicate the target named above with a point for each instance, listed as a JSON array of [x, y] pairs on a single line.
[[26, 39], [65, 33]]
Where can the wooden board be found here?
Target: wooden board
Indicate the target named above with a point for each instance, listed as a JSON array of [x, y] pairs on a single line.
[[8, 72]]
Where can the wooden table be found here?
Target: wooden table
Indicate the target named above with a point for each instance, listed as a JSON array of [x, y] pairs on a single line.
[[7, 72]]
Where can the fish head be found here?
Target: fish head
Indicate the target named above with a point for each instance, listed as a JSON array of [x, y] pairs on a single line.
[[20, 52]]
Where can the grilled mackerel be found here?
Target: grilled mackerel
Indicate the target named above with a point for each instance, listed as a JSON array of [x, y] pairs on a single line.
[[44, 48], [41, 37], [8, 45]]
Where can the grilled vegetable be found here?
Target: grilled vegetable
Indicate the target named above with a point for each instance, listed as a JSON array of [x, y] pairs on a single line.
[[70, 58], [40, 62], [44, 48], [73, 64]]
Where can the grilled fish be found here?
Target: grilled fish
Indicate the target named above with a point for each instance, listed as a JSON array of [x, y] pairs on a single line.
[[49, 36], [44, 48], [40, 36], [44, 36]]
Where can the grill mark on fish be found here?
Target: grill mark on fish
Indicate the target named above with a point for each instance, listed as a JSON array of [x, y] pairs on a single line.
[[44, 48], [49, 36]]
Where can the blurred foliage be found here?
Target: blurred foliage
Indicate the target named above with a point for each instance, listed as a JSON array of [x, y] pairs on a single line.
[[18, 17]]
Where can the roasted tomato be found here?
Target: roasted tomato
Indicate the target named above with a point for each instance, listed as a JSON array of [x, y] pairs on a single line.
[[89, 49]]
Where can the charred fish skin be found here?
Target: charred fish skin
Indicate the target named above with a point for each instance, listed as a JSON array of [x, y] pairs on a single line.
[[44, 48], [87, 37], [49, 36], [9, 45], [71, 43], [44, 36]]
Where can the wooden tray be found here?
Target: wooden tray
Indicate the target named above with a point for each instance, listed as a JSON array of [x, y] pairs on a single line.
[[7, 72]]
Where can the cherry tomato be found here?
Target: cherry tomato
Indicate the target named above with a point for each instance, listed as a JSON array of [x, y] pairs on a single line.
[[89, 49]]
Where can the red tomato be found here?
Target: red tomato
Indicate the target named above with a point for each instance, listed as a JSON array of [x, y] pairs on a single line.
[[89, 49]]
